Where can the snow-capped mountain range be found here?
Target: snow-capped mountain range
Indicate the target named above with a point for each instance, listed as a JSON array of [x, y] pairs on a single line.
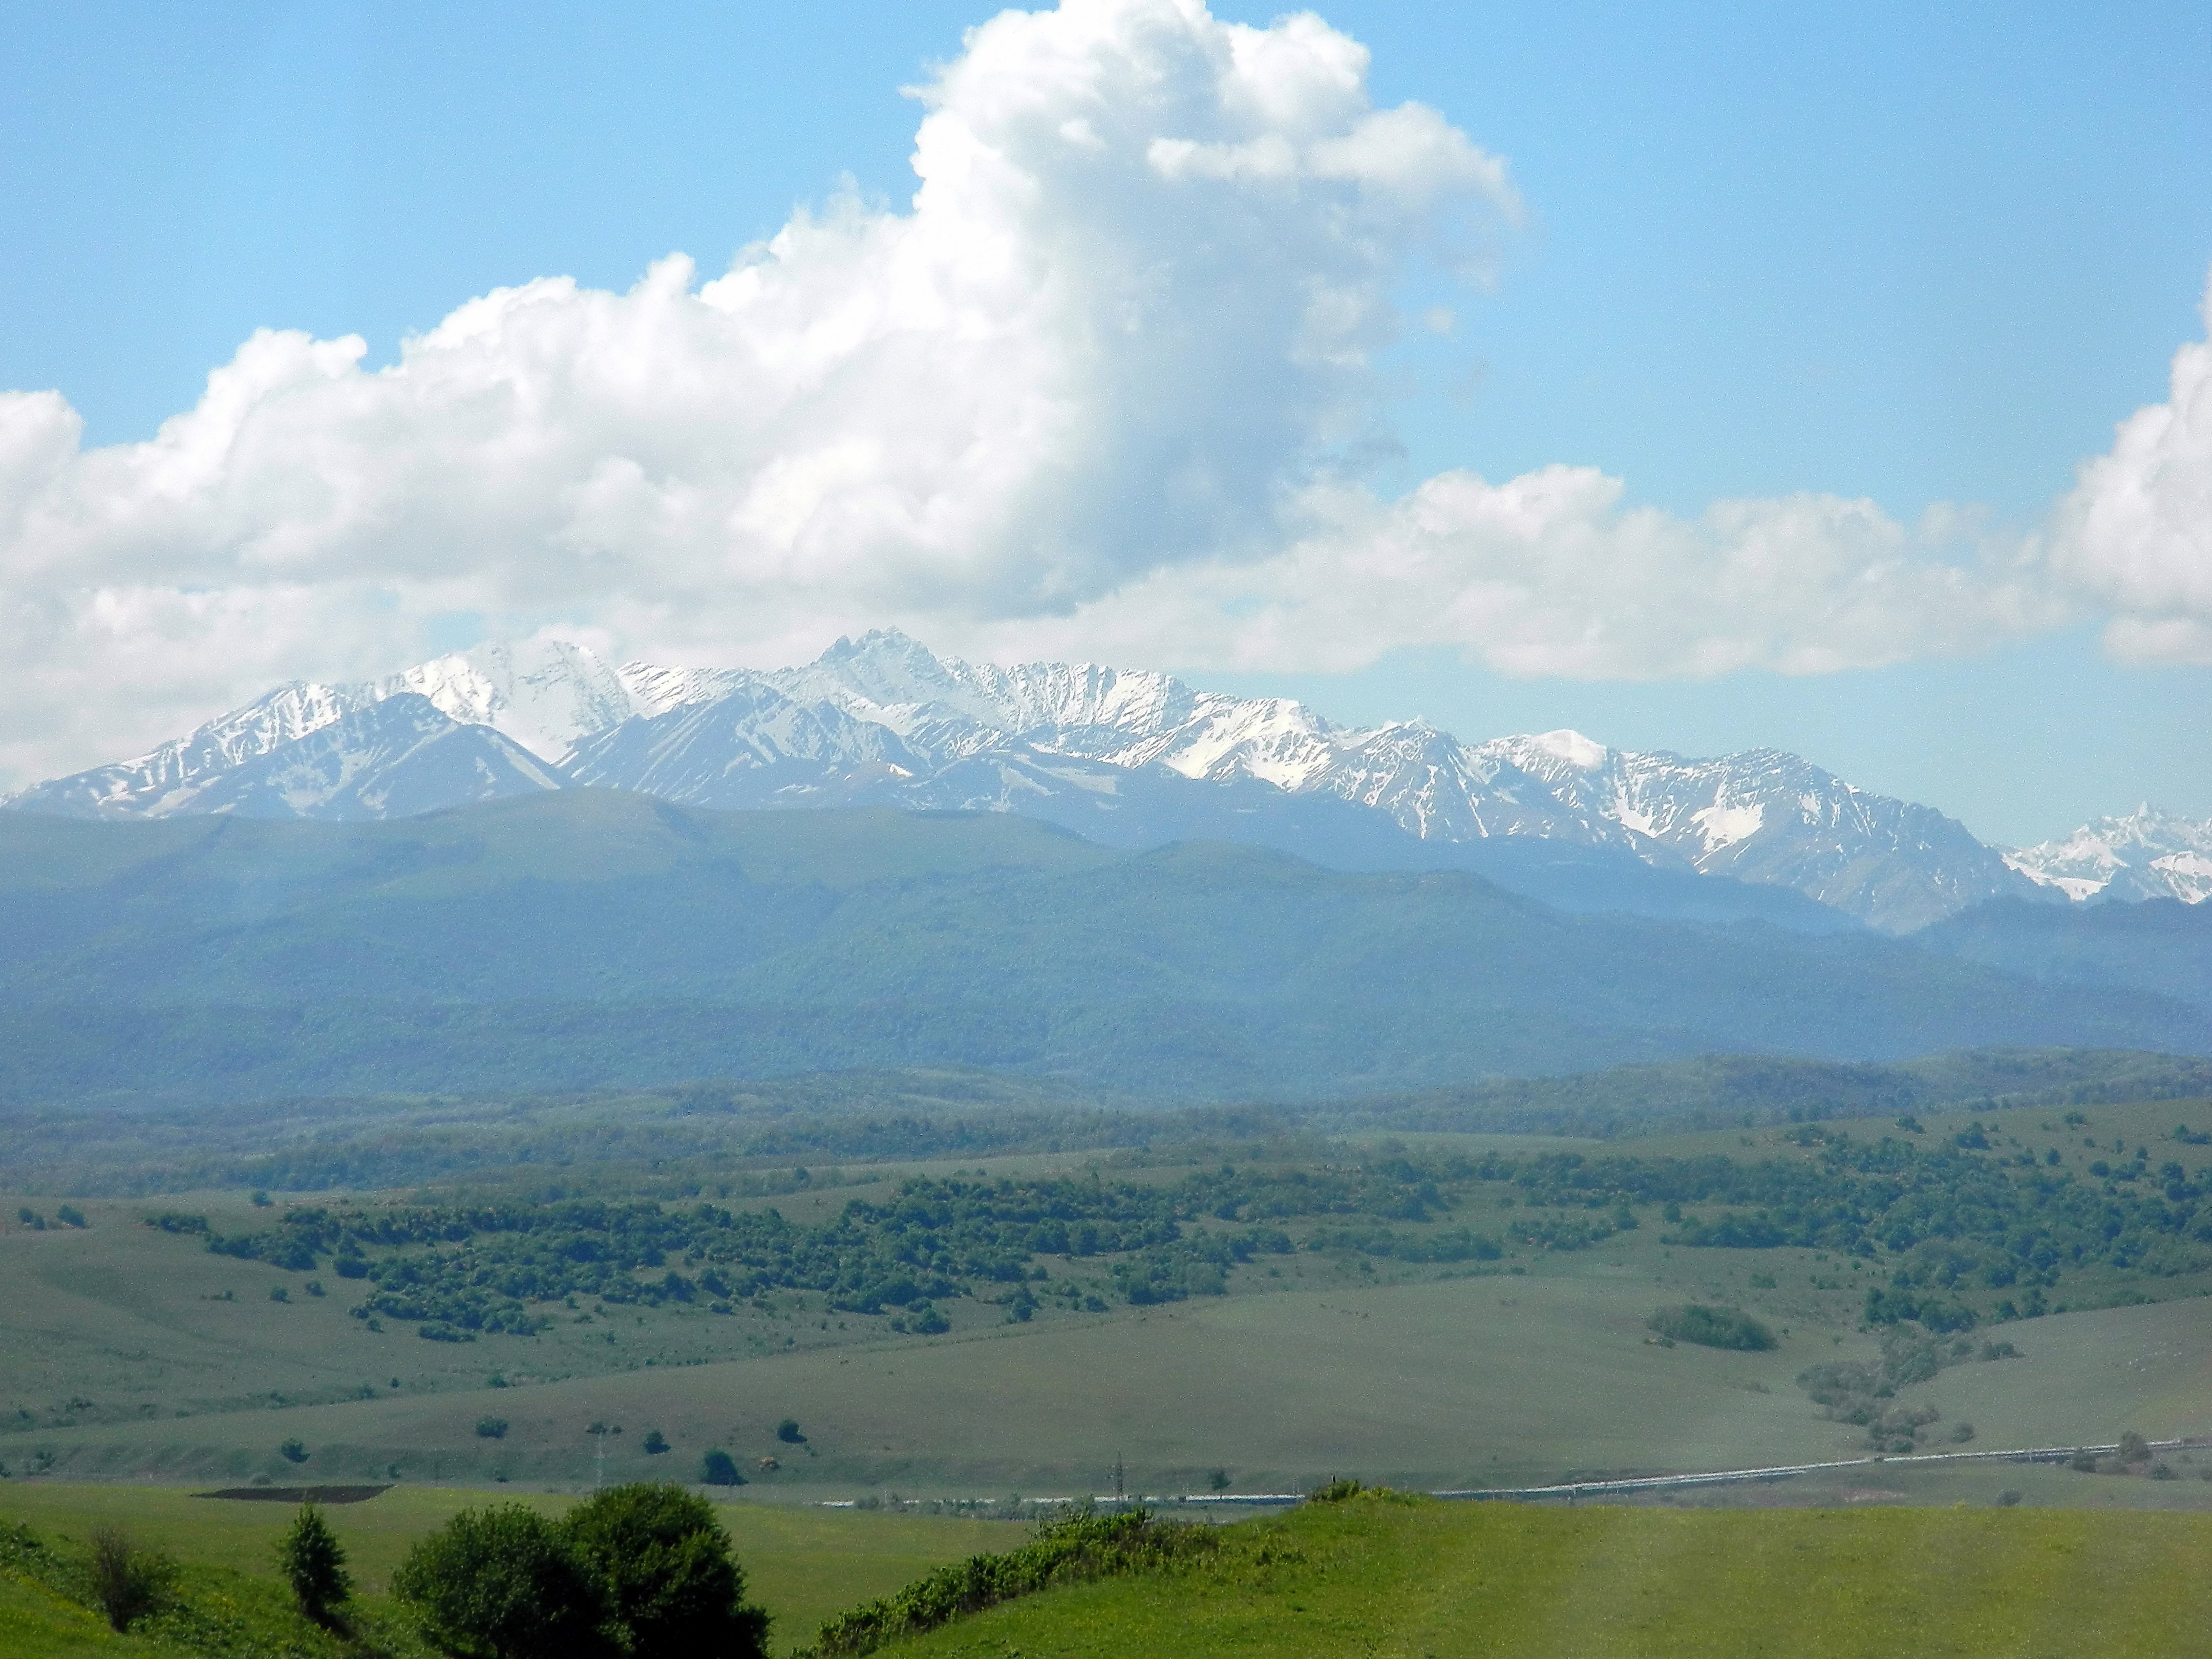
[[1131, 758]]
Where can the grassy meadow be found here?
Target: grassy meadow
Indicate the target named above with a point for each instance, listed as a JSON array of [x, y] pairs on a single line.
[[138, 1355], [1426, 1580]]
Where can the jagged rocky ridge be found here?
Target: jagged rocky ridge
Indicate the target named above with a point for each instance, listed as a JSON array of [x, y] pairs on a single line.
[[1126, 759]]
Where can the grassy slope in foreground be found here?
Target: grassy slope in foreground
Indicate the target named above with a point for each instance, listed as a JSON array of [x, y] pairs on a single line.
[[801, 1564], [1375, 1576]]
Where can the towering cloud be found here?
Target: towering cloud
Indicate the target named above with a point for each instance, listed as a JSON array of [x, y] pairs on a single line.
[[2136, 532], [1099, 388]]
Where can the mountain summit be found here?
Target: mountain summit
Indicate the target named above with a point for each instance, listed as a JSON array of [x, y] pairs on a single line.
[[1127, 758]]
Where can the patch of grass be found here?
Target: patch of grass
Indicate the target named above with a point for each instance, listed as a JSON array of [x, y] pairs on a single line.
[[1427, 1578]]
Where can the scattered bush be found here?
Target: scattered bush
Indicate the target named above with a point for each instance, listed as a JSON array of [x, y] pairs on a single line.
[[293, 1451], [70, 1216], [662, 1566], [1082, 1548], [2008, 1498], [787, 1432], [655, 1443], [2134, 1448], [718, 1468], [499, 1584], [491, 1428], [314, 1563], [1712, 1327], [125, 1582]]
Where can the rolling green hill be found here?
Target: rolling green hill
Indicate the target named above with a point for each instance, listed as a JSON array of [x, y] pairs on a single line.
[[1373, 1575], [595, 939]]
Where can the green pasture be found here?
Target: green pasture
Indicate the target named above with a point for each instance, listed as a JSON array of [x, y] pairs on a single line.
[[136, 1354], [1425, 1580], [802, 1564]]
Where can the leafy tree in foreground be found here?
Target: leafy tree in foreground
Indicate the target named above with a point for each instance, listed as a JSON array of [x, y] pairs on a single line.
[[312, 1562], [662, 1565], [501, 1584]]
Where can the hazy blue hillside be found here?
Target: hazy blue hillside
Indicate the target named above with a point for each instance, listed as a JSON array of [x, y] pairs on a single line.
[[2157, 944], [585, 940]]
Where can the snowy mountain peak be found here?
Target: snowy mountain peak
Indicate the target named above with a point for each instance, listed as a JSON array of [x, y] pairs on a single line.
[[881, 717], [543, 694], [2148, 853], [1571, 747]]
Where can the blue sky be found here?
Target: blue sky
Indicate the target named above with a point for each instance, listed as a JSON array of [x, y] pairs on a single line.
[[1882, 252]]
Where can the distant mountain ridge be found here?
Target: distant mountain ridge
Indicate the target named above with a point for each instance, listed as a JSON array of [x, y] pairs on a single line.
[[586, 938], [1126, 759], [2147, 854]]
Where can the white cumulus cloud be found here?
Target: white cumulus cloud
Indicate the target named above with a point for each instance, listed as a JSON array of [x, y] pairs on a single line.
[[1099, 387], [2136, 532]]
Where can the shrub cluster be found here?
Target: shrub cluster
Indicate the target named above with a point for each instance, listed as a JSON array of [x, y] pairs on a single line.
[[643, 1568], [1081, 1547], [1712, 1327]]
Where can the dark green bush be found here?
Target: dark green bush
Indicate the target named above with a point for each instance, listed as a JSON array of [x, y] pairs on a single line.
[[662, 1570], [501, 1583], [314, 1563], [126, 1583], [1712, 1327], [1082, 1548], [718, 1468]]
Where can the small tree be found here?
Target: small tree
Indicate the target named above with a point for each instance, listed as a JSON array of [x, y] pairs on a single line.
[[498, 1584], [294, 1451], [127, 1583], [655, 1443], [787, 1432], [312, 1562], [662, 1565], [2134, 1448], [718, 1468]]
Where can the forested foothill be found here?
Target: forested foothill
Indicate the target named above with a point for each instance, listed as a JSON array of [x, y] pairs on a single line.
[[1947, 1232]]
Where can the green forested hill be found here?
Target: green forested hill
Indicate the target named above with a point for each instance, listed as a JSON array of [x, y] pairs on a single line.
[[589, 939]]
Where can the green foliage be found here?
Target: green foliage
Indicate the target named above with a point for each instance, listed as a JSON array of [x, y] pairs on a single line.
[[655, 1443], [718, 1468], [312, 1562], [491, 1428], [126, 1583], [1712, 1327], [787, 1432], [1082, 1548], [294, 1451], [501, 1584], [665, 1575], [1342, 1490], [1970, 1233]]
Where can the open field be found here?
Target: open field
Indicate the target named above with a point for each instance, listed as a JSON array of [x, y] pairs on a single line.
[[140, 1355], [1431, 1580], [801, 1564]]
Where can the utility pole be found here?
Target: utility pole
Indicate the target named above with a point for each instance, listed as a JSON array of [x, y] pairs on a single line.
[[1121, 1484]]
